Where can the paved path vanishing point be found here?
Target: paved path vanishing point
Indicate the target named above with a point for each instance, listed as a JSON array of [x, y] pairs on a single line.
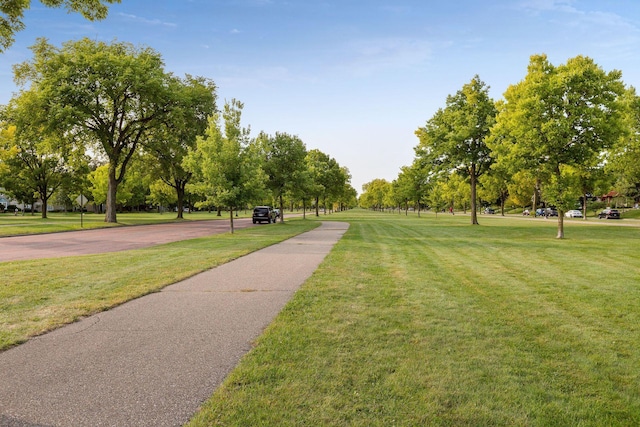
[[154, 360], [101, 240]]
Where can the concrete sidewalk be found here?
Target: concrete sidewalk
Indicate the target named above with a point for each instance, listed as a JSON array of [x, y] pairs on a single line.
[[154, 360]]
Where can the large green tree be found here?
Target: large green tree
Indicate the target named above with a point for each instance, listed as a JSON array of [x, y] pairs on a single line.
[[12, 13], [303, 189], [339, 177], [226, 162], [326, 175], [455, 137], [558, 121], [194, 103], [375, 193], [523, 189], [110, 94], [414, 184], [35, 160], [494, 186], [284, 164], [622, 160], [348, 197]]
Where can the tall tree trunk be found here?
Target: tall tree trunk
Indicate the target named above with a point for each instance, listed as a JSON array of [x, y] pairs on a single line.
[[535, 197], [560, 225], [231, 219], [44, 199], [180, 195], [317, 206], [559, 210], [473, 179], [110, 215]]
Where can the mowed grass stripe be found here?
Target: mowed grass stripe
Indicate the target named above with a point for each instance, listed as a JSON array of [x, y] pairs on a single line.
[[433, 322], [561, 316]]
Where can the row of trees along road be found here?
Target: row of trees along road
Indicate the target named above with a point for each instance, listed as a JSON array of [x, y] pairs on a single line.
[[560, 135], [103, 117]]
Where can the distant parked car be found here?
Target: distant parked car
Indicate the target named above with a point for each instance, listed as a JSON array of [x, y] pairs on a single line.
[[609, 214], [489, 211], [573, 213], [263, 214], [546, 212]]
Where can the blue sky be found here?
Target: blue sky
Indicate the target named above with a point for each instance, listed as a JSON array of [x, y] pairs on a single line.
[[353, 78]]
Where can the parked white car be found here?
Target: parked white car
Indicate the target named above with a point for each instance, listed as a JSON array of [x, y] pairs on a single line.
[[573, 213]]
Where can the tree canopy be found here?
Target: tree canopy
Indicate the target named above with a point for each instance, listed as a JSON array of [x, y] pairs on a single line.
[[12, 13], [284, 164], [559, 120], [111, 95], [225, 161], [559, 136], [455, 137], [116, 126], [34, 159], [169, 144]]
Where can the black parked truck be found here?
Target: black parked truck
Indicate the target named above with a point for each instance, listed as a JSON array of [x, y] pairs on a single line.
[[263, 214], [609, 214]]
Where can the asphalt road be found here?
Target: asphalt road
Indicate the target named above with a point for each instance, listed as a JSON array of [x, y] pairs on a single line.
[[84, 242], [154, 360]]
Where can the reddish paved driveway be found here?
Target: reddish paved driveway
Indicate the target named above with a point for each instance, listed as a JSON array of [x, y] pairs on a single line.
[[73, 243]]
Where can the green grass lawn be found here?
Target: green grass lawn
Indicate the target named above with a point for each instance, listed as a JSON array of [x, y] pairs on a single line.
[[40, 295], [631, 213], [414, 322]]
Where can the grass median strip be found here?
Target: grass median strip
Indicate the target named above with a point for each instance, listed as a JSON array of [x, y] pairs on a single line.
[[13, 225], [434, 322], [40, 295]]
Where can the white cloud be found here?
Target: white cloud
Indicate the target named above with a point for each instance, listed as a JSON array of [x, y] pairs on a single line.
[[577, 17], [616, 35], [147, 21], [536, 6], [396, 9], [371, 55], [258, 2], [251, 77]]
